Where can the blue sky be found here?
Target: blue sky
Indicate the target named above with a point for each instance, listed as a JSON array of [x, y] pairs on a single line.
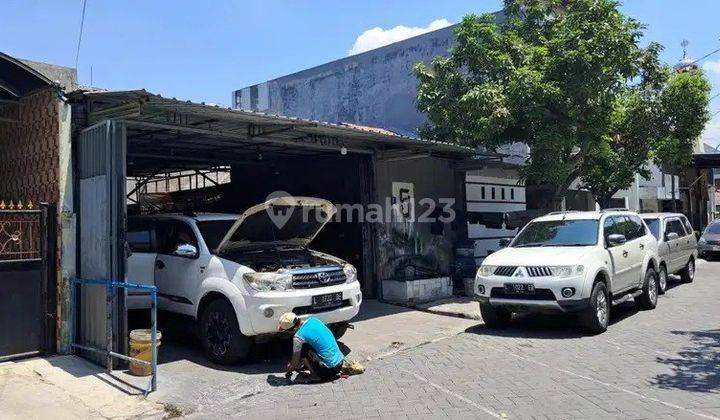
[[204, 50]]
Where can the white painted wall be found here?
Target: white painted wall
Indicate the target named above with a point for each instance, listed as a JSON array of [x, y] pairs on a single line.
[[494, 192]]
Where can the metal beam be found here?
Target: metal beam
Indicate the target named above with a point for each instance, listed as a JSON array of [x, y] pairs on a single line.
[[295, 143], [9, 88], [206, 177]]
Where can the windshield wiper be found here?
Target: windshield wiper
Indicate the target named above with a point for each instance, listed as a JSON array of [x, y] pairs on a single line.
[[531, 244]]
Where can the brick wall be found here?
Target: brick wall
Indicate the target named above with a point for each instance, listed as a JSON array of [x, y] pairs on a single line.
[[29, 155]]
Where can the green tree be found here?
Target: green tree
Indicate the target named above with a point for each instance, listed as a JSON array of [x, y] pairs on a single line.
[[685, 102], [551, 74]]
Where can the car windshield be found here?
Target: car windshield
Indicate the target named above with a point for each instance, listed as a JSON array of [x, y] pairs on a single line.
[[654, 225], [558, 233], [213, 231], [713, 228]]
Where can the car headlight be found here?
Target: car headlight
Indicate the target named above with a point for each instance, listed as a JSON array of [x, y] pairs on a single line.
[[264, 282], [566, 270], [486, 270], [701, 241], [350, 273]]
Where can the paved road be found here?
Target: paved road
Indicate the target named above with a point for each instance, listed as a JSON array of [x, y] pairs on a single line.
[[649, 364]]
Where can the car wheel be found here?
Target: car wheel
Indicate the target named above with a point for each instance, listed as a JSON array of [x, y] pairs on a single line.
[[648, 298], [687, 275], [596, 316], [220, 334], [662, 280], [339, 329], [495, 317]]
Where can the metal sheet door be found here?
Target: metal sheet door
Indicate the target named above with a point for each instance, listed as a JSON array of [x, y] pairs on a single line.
[[101, 173]]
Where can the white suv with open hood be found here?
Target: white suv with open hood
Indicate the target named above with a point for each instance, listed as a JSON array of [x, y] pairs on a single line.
[[581, 262], [237, 274]]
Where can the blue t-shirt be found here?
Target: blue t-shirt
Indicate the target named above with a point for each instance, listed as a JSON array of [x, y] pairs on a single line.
[[322, 340]]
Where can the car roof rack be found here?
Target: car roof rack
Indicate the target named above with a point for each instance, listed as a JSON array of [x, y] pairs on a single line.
[[552, 213], [614, 209]]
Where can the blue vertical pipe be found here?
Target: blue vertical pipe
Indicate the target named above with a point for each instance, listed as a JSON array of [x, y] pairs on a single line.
[[153, 338]]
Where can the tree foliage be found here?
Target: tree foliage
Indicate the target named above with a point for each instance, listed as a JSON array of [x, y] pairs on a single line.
[[566, 77]]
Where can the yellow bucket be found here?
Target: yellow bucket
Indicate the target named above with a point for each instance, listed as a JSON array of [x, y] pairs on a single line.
[[141, 348]]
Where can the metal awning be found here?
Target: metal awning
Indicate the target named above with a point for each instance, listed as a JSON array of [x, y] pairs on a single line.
[[168, 129], [17, 79]]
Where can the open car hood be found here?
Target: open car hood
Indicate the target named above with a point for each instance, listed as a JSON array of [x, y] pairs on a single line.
[[282, 221]]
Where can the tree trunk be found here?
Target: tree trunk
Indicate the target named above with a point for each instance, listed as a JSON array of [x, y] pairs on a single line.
[[672, 186]]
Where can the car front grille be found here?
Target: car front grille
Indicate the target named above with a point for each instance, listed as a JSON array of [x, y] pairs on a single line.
[[538, 271], [712, 242], [540, 294], [320, 279], [505, 270]]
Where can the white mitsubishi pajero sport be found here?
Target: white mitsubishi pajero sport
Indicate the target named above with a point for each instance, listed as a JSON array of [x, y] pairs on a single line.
[[237, 274], [581, 262]]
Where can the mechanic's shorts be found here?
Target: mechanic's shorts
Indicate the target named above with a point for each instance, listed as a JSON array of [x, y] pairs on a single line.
[[325, 373]]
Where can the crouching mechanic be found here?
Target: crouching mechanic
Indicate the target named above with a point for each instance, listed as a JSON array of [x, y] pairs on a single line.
[[314, 348]]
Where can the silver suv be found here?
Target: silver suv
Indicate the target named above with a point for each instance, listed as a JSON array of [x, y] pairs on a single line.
[[677, 246]]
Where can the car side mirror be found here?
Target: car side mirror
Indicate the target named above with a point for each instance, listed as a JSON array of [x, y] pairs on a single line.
[[505, 242], [186, 251], [616, 239], [671, 236]]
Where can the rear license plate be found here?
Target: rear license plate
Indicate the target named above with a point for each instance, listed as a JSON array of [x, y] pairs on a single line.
[[520, 288], [328, 300]]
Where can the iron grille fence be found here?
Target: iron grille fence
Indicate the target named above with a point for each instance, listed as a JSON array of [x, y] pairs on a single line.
[[20, 232]]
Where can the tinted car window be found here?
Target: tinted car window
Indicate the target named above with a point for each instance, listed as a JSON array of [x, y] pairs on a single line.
[[624, 225], [688, 226], [214, 231], [139, 235], [173, 233], [639, 226], [611, 227], [654, 226], [674, 226], [558, 233]]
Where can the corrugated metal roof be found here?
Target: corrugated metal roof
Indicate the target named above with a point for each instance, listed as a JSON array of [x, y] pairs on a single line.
[[226, 120]]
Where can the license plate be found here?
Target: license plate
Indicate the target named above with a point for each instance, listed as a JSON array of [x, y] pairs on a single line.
[[519, 288], [716, 248], [324, 301]]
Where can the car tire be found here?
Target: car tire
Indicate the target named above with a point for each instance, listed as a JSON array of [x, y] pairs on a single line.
[[662, 280], [495, 317], [649, 297], [339, 329], [222, 340], [596, 317], [687, 275]]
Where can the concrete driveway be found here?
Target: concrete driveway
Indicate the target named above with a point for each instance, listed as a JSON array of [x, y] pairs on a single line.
[[192, 384]]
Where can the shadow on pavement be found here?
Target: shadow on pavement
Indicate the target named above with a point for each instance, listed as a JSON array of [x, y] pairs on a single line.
[[179, 342], [549, 325], [371, 308], [695, 368]]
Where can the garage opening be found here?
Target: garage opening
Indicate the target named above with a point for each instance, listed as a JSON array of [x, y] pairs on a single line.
[[184, 177]]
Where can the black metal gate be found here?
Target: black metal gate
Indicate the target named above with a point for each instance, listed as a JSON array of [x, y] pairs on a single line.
[[27, 279]]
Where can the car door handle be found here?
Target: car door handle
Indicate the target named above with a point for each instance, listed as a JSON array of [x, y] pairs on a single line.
[[159, 264], [642, 246], [625, 254]]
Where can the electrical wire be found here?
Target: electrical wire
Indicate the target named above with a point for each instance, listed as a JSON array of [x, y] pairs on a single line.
[[706, 56], [82, 24]]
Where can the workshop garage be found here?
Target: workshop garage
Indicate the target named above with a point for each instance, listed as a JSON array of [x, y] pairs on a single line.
[[143, 153]]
